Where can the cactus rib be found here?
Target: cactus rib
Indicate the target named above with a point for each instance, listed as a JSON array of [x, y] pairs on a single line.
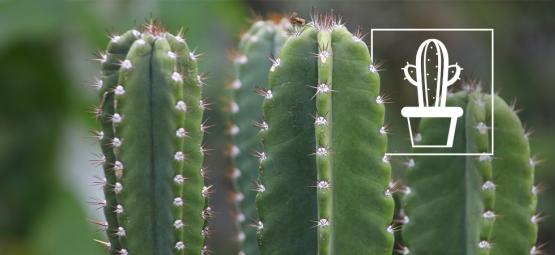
[[326, 177]]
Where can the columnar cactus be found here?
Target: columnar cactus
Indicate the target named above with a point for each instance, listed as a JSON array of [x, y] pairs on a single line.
[[325, 182], [262, 41], [479, 205], [151, 135]]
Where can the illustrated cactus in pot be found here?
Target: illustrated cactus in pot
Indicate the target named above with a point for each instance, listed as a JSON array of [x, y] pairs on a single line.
[[151, 132], [467, 205], [432, 75], [263, 40], [324, 183]]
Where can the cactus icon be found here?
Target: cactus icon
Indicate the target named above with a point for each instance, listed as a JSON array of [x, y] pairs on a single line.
[[432, 75]]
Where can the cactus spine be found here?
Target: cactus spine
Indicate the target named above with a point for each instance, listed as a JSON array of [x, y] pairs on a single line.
[[326, 178], [264, 39], [151, 133], [472, 191]]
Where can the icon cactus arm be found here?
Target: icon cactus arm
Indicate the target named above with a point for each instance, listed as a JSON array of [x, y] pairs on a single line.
[[454, 72]]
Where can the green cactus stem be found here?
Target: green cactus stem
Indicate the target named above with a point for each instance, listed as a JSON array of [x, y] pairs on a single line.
[[262, 41], [466, 199], [323, 169], [150, 116]]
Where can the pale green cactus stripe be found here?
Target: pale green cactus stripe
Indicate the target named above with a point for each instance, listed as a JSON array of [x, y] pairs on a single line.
[[515, 230], [148, 133], [116, 51], [192, 195], [344, 147], [263, 40]]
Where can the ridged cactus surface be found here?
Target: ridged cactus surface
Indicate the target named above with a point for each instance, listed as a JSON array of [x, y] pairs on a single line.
[[151, 138], [262, 41], [325, 177], [476, 204]]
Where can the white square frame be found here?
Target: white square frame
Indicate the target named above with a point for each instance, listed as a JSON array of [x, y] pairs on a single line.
[[491, 30]]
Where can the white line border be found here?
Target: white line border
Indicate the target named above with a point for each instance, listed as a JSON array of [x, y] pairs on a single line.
[[491, 30]]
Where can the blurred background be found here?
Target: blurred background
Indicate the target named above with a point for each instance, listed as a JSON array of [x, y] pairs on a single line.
[[45, 51]]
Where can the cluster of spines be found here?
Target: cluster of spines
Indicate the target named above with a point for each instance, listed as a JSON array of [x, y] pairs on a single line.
[[323, 153], [186, 94], [262, 41]]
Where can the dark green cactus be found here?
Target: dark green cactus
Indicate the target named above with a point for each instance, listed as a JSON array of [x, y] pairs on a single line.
[[151, 136], [262, 41], [472, 205], [325, 179]]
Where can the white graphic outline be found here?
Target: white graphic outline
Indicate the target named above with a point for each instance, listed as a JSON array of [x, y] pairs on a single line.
[[453, 112]]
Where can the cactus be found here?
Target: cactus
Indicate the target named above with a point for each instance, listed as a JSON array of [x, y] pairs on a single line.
[[151, 135], [263, 40], [452, 205], [324, 184]]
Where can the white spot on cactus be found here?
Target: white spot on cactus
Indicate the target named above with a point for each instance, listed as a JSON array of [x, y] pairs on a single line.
[[181, 106], [535, 219], [241, 217], [253, 38], [268, 95], [177, 77], [323, 185], [241, 236], [535, 190], [200, 80], [119, 90], [98, 84], [141, 42], [116, 142], [260, 188], [261, 156], [181, 133], [120, 232], [116, 118], [372, 68], [178, 201], [118, 166], [179, 156], [321, 151], [126, 64], [233, 107], [482, 128], [179, 39], [407, 190], [405, 220], [323, 56], [236, 173], [236, 84], [136, 33], [178, 224], [410, 163], [488, 185], [179, 179], [388, 192], [239, 197], [119, 209], [234, 130], [418, 137], [322, 88], [262, 125], [103, 58], [320, 120], [356, 38], [207, 213], [484, 245], [322, 223], [123, 252], [118, 187], [390, 229], [180, 246], [193, 55], [383, 130], [404, 250], [275, 64], [234, 151], [172, 55], [241, 60], [533, 162], [488, 215], [206, 190], [204, 250], [386, 159], [206, 231]]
